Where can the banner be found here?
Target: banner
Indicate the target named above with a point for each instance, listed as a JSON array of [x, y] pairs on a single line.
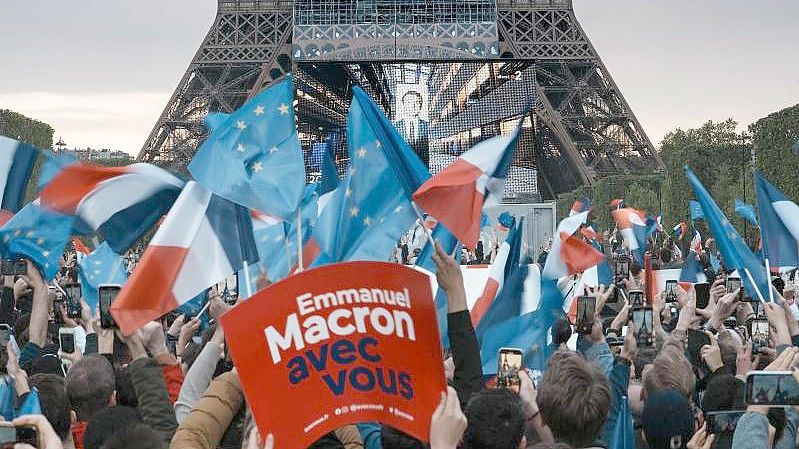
[[337, 345]]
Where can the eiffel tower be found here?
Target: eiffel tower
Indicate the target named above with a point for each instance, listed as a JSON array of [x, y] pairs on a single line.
[[581, 127]]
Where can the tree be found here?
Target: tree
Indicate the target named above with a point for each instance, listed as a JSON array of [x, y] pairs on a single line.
[[773, 138]]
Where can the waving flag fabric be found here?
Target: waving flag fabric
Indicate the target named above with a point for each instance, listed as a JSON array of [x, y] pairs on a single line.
[[506, 260], [16, 165], [581, 205], [505, 221], [633, 230], [120, 203], [679, 230], [102, 266], [733, 249], [203, 239], [696, 210], [617, 203], [746, 211], [568, 254], [779, 220], [447, 241], [38, 235], [508, 303], [371, 208], [474, 181], [253, 156]]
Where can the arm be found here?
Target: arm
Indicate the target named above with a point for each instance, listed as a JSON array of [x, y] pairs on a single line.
[[463, 340], [788, 440], [751, 432], [619, 382], [37, 329], [199, 376], [594, 347], [206, 423]]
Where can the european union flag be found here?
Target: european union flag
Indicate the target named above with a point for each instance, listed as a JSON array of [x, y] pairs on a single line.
[[102, 266], [746, 211], [253, 156], [30, 405], [371, 209], [696, 210], [733, 249], [38, 235]]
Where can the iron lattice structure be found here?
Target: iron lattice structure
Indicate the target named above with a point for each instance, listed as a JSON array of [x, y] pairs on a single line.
[[581, 128]]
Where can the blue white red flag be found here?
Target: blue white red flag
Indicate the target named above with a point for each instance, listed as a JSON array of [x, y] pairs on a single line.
[[203, 239], [779, 224], [120, 203], [16, 165]]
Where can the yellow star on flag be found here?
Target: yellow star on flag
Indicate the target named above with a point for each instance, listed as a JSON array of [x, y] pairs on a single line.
[[362, 153], [240, 148], [257, 167], [367, 221], [354, 211], [241, 125], [284, 109], [259, 110]]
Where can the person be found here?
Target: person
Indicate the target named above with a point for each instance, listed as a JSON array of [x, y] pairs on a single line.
[[90, 387], [412, 127]]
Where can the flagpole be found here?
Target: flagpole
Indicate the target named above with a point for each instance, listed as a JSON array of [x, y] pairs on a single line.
[[248, 285], [299, 241], [768, 276], [752, 281]]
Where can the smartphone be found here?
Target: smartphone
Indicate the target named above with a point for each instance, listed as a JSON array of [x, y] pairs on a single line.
[[6, 332], [733, 284], [20, 267], [7, 267], [671, 290], [73, 300], [776, 388], [723, 422], [623, 267], [509, 363], [9, 435], [760, 333], [643, 325], [702, 291], [66, 339], [696, 339], [636, 298], [586, 308], [107, 293]]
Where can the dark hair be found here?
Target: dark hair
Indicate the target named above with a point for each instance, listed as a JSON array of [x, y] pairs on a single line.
[[126, 394], [724, 392], [90, 383], [107, 422], [496, 420], [574, 399], [414, 93], [394, 439], [134, 436], [561, 331], [53, 401]]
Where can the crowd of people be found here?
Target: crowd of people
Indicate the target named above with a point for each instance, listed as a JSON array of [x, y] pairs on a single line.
[[172, 383]]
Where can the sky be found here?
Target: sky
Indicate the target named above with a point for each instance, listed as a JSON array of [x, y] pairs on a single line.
[[101, 72]]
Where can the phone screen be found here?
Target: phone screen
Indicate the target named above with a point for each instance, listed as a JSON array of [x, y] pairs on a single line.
[[509, 363], [107, 295], [8, 267], [771, 388], [67, 342], [723, 422], [73, 300], [636, 298], [643, 325], [696, 339], [759, 332], [586, 308], [20, 267], [22, 434], [622, 268], [702, 291]]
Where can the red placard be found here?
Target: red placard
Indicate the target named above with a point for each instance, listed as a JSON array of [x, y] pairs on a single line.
[[338, 345]]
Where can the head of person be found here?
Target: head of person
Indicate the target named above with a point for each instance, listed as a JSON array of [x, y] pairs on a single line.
[[90, 386], [134, 436], [394, 439], [667, 420], [669, 370], [574, 399], [54, 402], [496, 420], [412, 103], [107, 422]]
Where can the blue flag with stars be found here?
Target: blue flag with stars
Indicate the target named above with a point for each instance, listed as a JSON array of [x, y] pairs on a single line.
[[253, 156], [102, 266], [38, 235], [371, 208], [733, 249]]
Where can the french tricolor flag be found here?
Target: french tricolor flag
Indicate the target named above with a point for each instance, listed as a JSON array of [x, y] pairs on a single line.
[[570, 255], [507, 258], [475, 180], [119, 203], [16, 165], [679, 230], [203, 239], [633, 228], [616, 203], [779, 224]]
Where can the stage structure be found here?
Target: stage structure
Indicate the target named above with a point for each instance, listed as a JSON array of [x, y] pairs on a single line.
[[448, 73]]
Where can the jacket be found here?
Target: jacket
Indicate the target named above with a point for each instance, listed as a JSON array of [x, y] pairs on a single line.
[[197, 379], [207, 422], [468, 377], [155, 407]]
